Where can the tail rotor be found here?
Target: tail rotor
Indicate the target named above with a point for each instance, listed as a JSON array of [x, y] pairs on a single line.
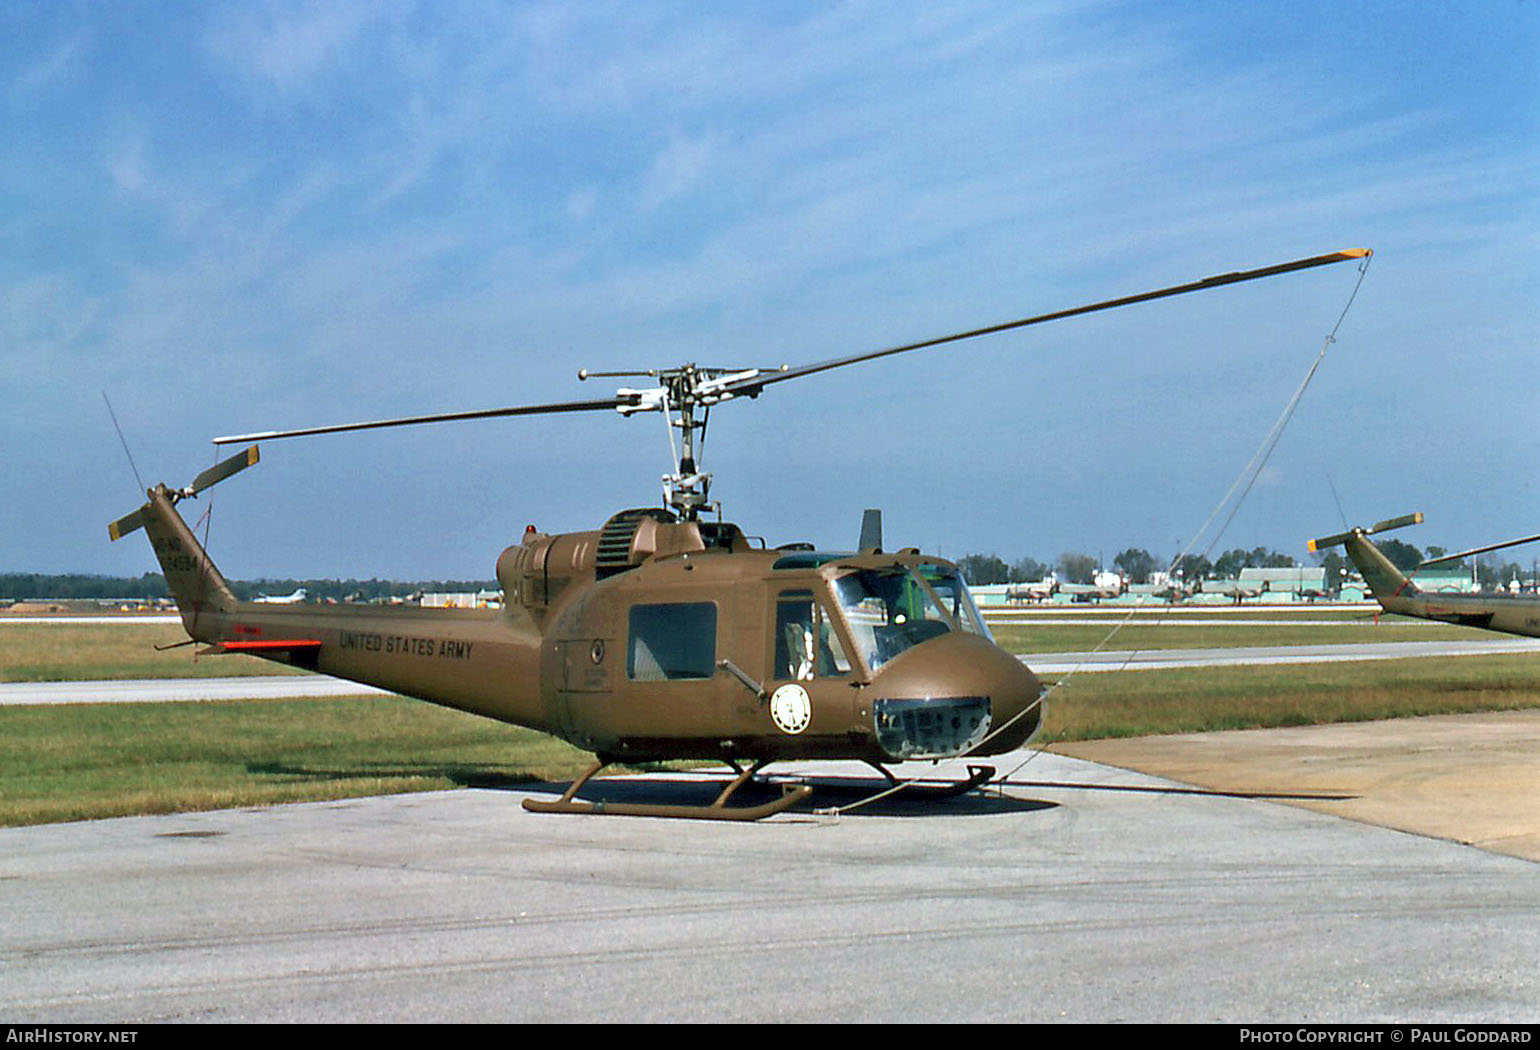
[[1382, 526], [247, 457]]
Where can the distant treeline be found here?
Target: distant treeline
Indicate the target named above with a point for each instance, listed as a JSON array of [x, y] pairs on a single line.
[[1135, 563], [20, 586]]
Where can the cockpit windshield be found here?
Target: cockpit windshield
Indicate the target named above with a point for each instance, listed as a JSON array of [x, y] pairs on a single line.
[[887, 612], [952, 589]]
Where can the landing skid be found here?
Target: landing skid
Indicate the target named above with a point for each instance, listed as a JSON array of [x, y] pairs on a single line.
[[717, 810], [978, 776]]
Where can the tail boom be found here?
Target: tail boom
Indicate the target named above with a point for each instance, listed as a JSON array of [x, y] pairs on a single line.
[[468, 660], [1396, 593], [202, 596]]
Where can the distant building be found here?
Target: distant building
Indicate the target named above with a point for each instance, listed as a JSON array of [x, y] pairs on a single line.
[[463, 600], [1444, 581], [1291, 583]]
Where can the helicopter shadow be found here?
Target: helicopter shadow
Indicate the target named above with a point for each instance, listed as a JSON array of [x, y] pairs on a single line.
[[846, 796], [462, 774], [832, 794], [842, 796]]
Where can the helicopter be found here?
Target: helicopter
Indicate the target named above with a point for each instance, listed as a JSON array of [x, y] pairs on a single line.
[[1396, 592], [663, 634]]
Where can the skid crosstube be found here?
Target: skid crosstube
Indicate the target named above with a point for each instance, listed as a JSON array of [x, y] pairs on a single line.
[[717, 810]]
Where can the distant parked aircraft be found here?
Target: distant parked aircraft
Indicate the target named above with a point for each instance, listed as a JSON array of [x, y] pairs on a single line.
[[283, 599], [1234, 589], [1033, 590]]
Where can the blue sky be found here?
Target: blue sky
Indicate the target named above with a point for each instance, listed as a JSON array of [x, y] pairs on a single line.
[[245, 216]]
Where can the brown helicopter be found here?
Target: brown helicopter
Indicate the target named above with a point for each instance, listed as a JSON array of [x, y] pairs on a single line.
[[1396, 592], [663, 635]]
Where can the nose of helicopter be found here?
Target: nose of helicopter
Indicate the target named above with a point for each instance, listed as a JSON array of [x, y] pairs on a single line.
[[959, 694]]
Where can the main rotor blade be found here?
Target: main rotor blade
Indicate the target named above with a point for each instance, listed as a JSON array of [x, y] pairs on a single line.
[[607, 404], [1480, 550], [753, 385]]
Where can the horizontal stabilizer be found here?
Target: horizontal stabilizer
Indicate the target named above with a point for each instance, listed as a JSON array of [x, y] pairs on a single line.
[[267, 645]]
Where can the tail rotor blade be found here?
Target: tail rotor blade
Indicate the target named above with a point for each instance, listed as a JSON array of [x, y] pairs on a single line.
[[224, 468], [1396, 523], [1328, 541], [215, 474], [126, 524], [1383, 526]]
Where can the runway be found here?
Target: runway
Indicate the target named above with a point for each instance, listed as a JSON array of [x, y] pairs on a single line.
[[1084, 894], [185, 690], [103, 620]]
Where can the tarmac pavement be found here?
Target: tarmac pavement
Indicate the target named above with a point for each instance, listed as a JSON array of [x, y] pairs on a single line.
[[1086, 893]]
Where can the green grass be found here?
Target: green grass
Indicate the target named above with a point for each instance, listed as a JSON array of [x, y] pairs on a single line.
[[1191, 700], [81, 761], [1150, 632], [76, 652]]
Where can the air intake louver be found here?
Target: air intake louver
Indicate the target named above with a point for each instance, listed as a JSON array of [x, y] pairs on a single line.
[[614, 553]]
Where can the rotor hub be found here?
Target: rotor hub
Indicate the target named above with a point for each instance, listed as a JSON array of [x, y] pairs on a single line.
[[684, 395]]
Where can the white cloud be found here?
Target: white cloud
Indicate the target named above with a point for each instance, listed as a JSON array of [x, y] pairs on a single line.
[[51, 70], [394, 207], [127, 164], [677, 169], [289, 45]]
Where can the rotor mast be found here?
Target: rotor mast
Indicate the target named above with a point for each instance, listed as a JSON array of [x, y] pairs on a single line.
[[679, 394]]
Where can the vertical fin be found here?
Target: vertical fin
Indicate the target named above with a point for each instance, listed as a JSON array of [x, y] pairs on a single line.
[[200, 590], [1385, 580], [201, 593], [871, 531]]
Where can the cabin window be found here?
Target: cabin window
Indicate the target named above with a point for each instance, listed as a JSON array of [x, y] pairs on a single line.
[[672, 641], [806, 645]]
